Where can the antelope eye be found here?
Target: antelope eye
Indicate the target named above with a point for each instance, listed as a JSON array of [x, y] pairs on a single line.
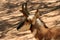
[[49, 3]]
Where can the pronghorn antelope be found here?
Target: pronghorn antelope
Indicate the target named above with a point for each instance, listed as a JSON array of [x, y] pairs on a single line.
[[38, 27]]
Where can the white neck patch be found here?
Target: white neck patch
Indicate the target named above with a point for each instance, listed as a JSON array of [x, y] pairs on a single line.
[[39, 22], [30, 17]]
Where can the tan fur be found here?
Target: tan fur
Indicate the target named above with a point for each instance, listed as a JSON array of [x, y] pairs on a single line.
[[53, 33], [41, 32], [46, 33]]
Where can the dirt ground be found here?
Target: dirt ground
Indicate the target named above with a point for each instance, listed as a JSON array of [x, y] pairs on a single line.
[[10, 16]]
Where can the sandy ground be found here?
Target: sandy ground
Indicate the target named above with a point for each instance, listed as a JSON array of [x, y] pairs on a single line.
[[10, 17]]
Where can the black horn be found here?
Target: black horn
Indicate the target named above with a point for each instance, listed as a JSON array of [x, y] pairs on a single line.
[[25, 9], [26, 13]]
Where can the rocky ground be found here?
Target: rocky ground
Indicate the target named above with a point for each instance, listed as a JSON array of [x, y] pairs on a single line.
[[10, 16]]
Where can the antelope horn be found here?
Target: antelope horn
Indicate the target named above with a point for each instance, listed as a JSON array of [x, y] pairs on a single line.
[[25, 10], [26, 13]]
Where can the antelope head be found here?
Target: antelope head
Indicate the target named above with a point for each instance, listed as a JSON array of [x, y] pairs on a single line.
[[28, 17], [32, 19]]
